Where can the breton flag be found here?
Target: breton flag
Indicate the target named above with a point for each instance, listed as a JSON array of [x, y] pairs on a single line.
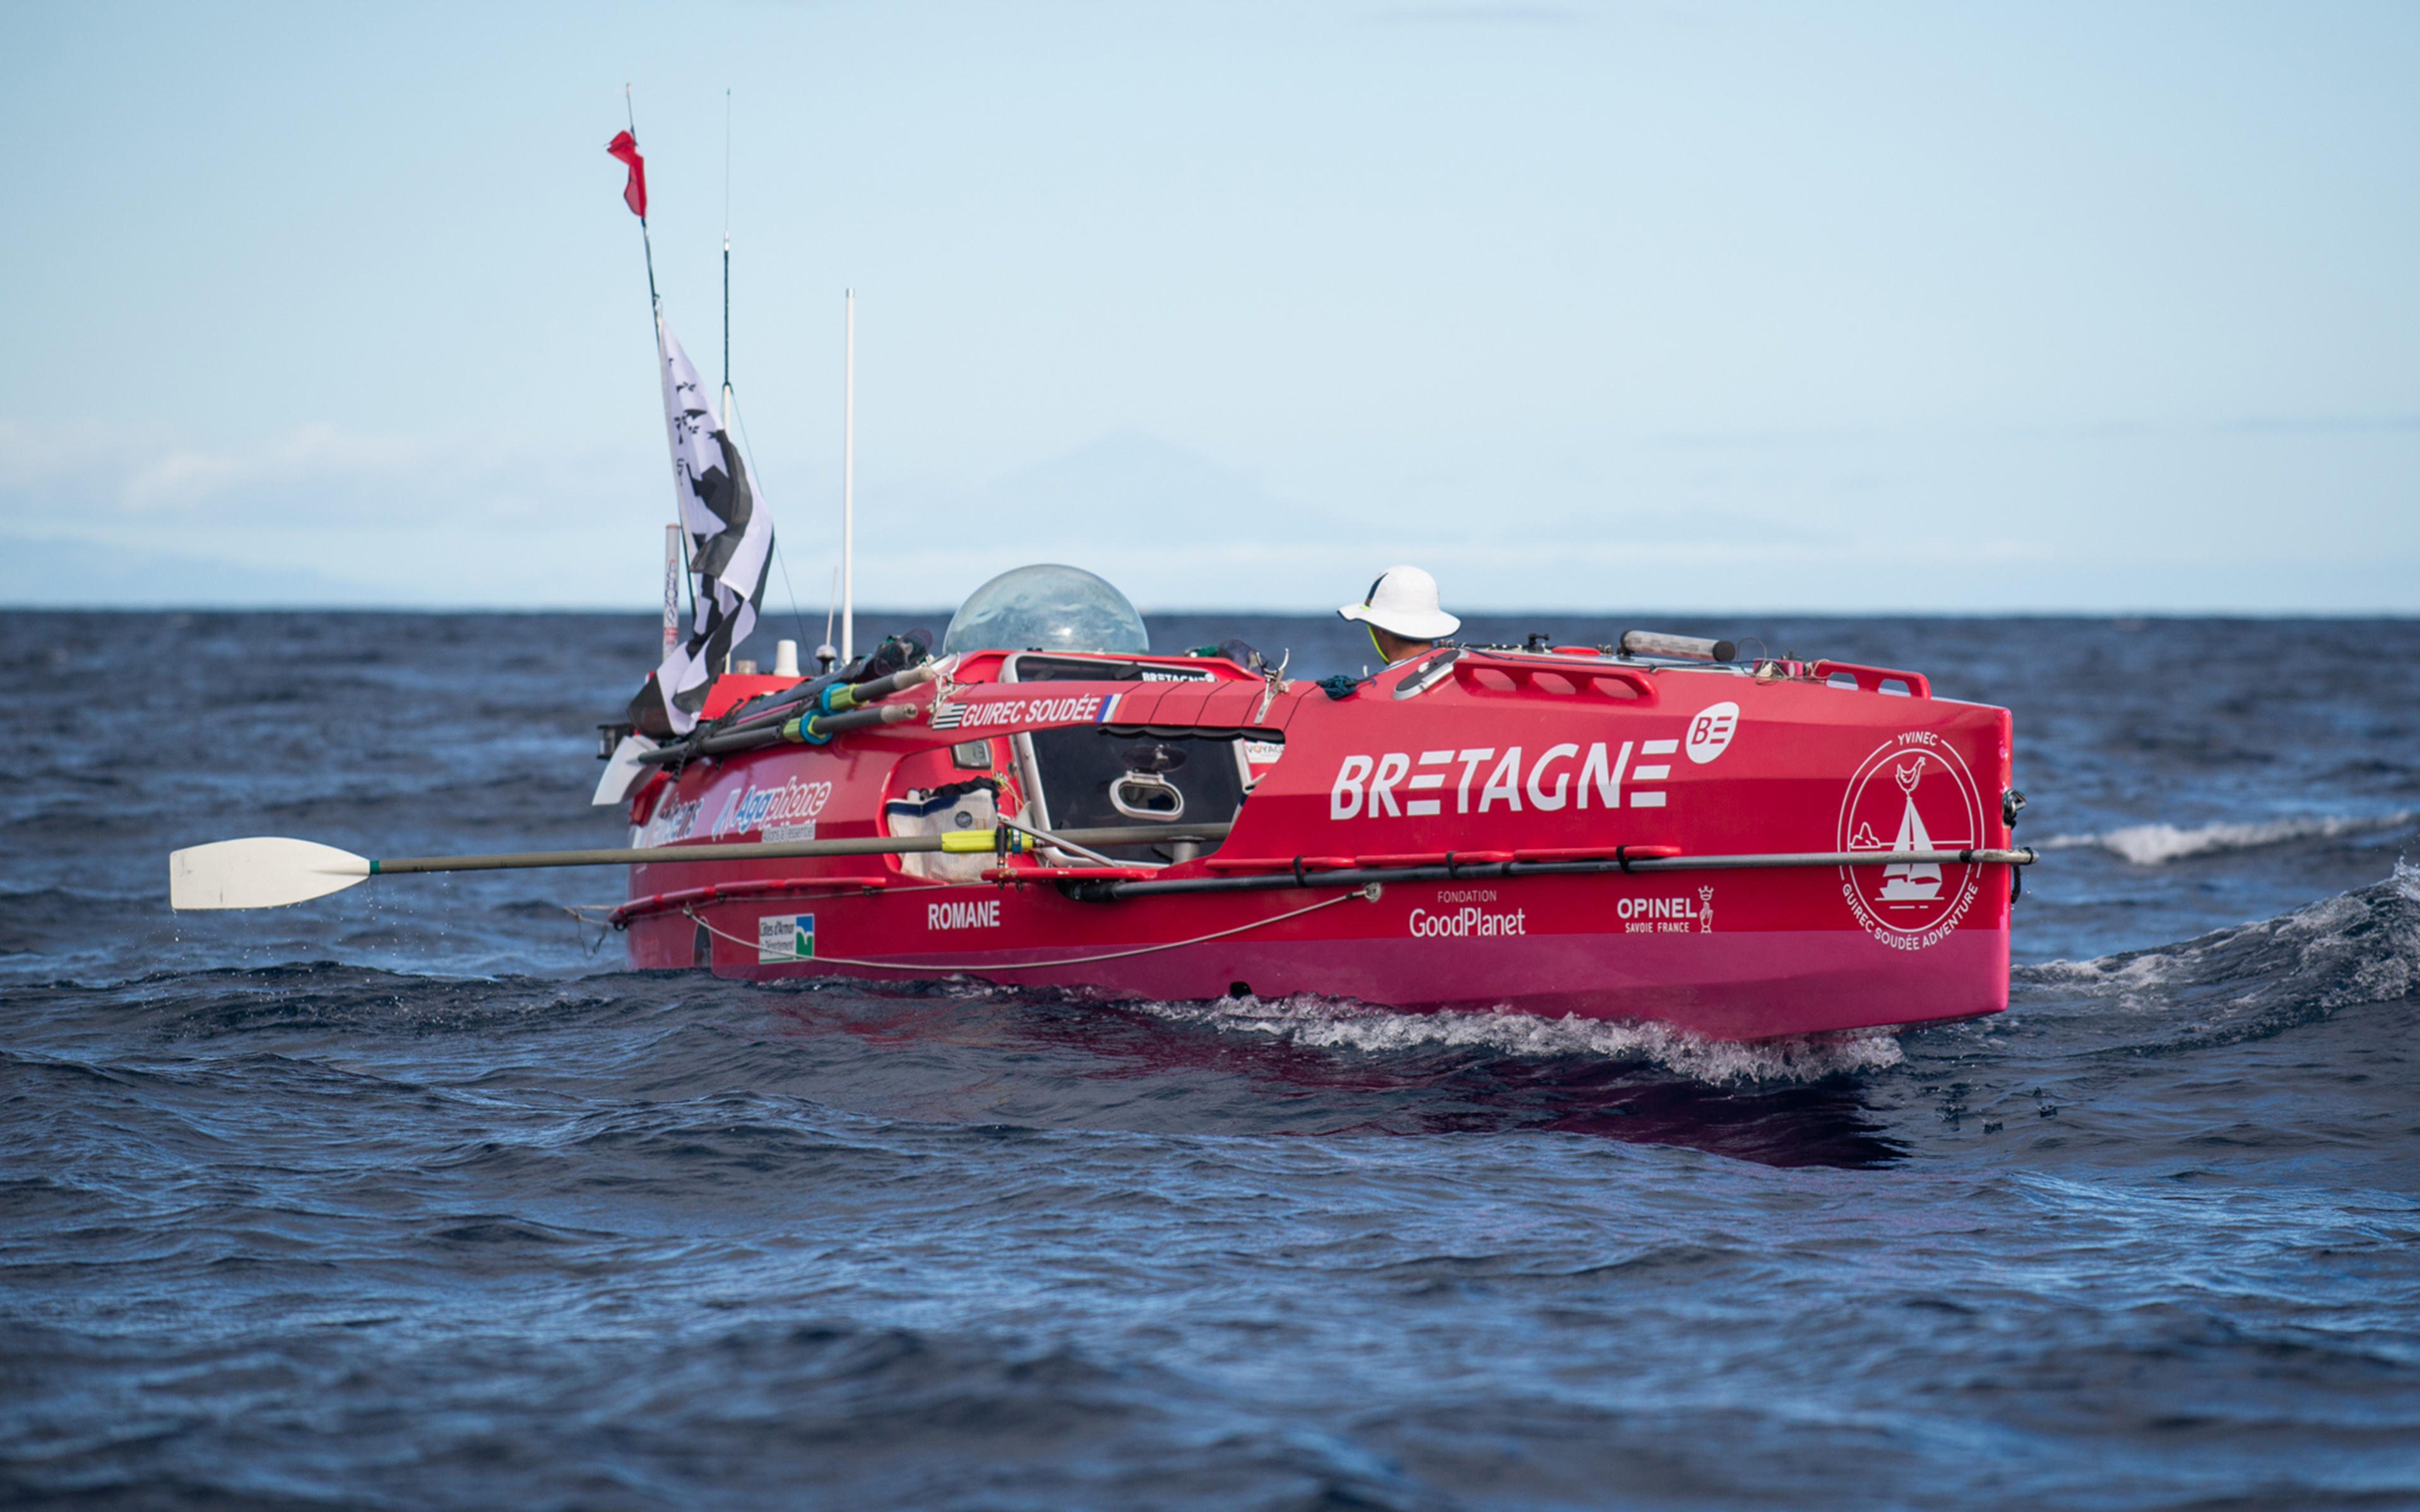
[[729, 537]]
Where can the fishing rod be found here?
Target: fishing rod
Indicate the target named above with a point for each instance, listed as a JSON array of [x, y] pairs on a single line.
[[806, 713]]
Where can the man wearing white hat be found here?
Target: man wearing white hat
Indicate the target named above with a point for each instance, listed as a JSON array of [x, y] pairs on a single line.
[[1402, 613]]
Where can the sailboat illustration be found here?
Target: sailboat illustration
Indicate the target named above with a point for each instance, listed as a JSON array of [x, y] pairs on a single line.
[[1907, 882]]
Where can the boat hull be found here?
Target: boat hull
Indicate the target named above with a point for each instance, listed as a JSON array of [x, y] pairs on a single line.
[[1534, 764]]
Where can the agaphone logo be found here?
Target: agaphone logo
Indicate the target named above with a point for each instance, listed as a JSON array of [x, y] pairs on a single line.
[[752, 808], [1914, 794]]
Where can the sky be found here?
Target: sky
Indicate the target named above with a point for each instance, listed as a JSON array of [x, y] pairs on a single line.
[[2102, 308]]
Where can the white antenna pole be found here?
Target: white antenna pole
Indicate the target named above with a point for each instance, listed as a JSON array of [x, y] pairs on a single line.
[[671, 587], [827, 652], [849, 483]]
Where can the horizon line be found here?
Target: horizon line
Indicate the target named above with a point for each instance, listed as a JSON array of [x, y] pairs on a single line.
[[654, 611]]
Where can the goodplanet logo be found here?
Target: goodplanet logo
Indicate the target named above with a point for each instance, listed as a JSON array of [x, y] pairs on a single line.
[[1465, 922]]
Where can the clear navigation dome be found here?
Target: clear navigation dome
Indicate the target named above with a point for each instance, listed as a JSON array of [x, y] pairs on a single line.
[[1047, 608]]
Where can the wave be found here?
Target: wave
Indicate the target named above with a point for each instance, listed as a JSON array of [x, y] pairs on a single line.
[[2247, 983], [2153, 845], [2254, 980], [1328, 1023]]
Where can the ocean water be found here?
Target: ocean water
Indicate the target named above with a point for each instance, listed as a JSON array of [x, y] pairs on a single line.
[[412, 1197]]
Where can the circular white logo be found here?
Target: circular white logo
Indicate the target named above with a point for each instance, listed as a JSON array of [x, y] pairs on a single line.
[[1711, 732], [1912, 795]]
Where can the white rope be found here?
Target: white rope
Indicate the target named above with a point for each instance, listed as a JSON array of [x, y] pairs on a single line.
[[1369, 893]]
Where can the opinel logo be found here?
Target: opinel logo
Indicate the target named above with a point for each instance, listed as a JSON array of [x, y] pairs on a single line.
[[1911, 795]]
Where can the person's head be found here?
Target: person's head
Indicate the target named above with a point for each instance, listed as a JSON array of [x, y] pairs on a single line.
[[1402, 613]]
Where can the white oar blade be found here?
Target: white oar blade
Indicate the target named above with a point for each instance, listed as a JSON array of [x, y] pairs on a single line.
[[623, 772], [260, 872]]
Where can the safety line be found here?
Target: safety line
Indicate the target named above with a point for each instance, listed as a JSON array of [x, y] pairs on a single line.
[[1369, 893]]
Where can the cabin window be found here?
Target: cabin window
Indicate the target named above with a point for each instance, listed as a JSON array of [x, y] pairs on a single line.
[[1089, 778], [1085, 778]]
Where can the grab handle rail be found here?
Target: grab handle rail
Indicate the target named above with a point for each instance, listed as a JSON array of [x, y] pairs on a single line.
[[1871, 679], [1578, 673]]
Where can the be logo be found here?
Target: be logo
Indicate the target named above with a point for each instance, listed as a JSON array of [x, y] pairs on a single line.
[[1710, 733], [1912, 795]]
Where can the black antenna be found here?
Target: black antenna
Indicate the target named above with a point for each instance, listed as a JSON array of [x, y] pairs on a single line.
[[654, 306], [656, 318]]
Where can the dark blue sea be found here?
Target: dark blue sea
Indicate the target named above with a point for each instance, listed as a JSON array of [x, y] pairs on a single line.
[[414, 1198]]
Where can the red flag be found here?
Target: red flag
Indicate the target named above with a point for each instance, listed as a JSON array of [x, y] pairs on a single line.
[[635, 194]]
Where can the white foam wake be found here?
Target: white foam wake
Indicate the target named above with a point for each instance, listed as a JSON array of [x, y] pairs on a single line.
[[1329, 1023], [2152, 844]]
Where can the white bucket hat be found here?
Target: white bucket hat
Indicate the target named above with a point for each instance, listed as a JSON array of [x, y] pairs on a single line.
[[1403, 602]]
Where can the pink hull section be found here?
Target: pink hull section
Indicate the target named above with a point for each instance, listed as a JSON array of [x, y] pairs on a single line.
[[1742, 985], [1749, 988]]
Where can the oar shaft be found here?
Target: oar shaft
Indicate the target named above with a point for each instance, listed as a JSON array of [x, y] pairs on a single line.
[[778, 851], [1970, 856], [1476, 870]]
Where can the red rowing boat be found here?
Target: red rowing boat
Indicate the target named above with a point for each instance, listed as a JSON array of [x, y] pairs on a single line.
[[1744, 850], [1652, 830]]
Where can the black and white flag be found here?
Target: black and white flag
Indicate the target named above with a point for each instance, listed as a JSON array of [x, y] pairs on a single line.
[[729, 537]]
